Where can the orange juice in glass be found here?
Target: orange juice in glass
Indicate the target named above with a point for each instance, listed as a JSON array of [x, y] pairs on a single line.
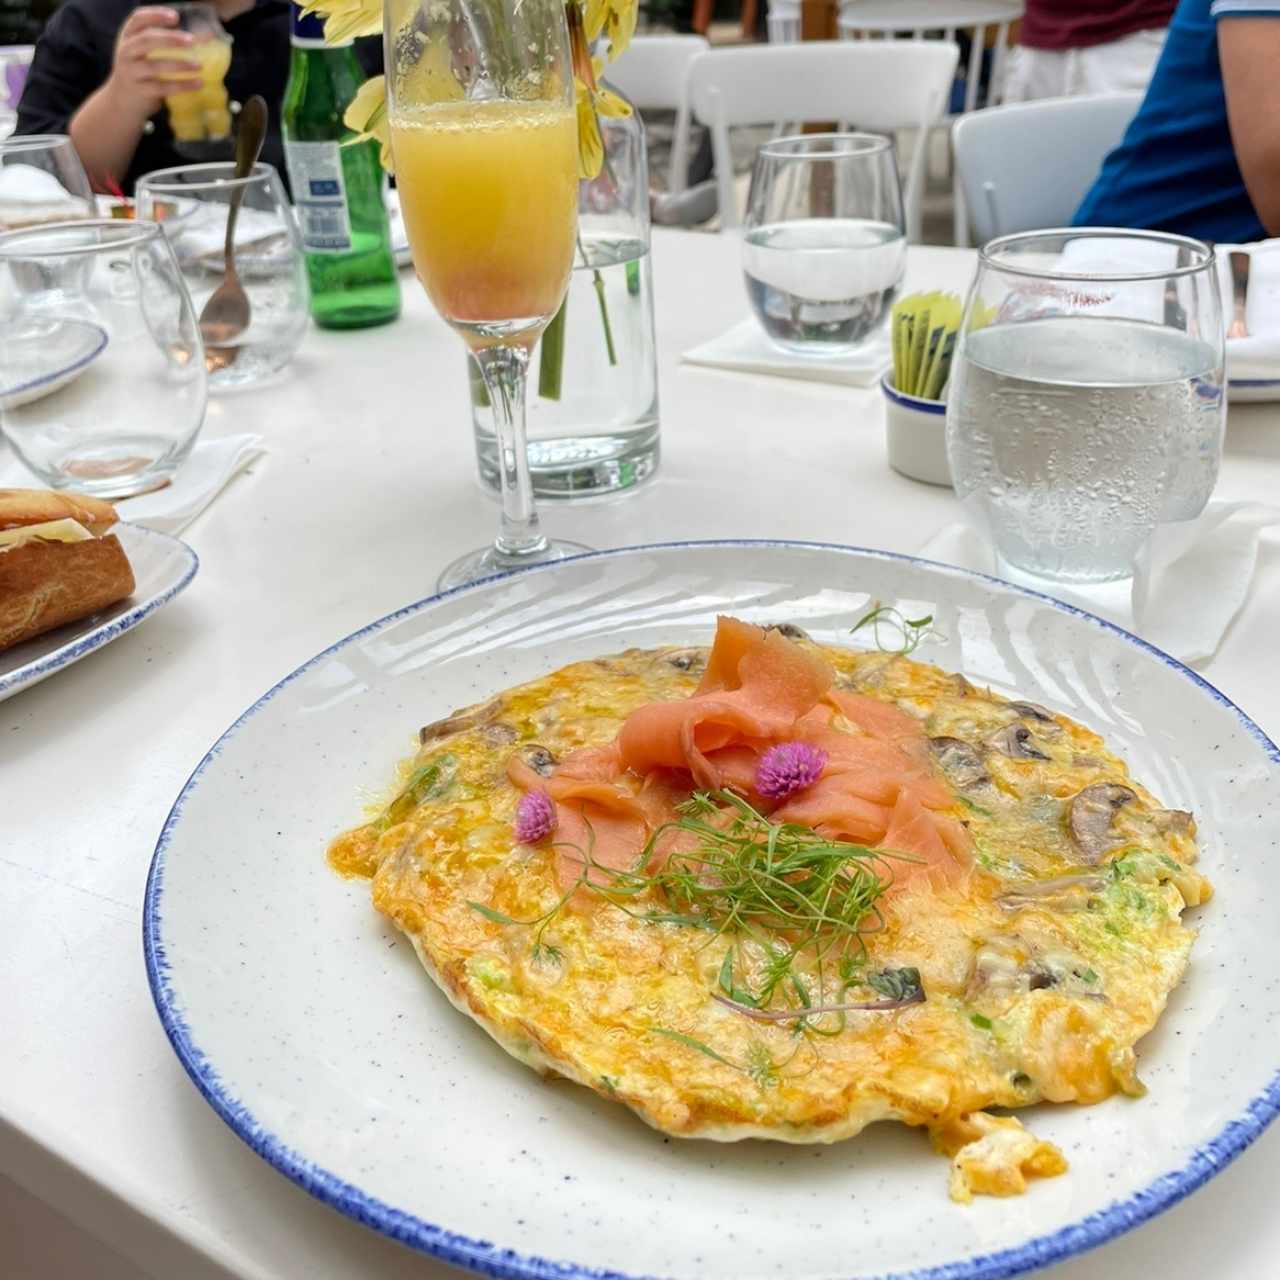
[[484, 136], [489, 195], [199, 115]]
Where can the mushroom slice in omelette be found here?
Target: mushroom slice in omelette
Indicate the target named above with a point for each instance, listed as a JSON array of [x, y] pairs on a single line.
[[781, 891]]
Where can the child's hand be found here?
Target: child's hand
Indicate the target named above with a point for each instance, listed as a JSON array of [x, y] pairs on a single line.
[[136, 80]]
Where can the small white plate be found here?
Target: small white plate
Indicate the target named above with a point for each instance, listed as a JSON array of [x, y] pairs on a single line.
[[39, 365], [162, 567], [307, 1023]]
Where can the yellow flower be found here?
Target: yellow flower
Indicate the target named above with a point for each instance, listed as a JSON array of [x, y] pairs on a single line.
[[615, 18], [347, 19], [367, 116], [592, 102]]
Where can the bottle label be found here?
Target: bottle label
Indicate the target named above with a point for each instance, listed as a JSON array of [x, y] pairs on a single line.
[[320, 196]]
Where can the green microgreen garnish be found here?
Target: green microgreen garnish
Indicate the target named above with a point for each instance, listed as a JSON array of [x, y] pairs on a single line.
[[907, 634], [897, 984], [690, 1043], [981, 1021], [429, 782], [783, 894], [760, 1066]]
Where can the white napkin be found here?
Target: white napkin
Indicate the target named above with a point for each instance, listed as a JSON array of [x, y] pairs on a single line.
[[1257, 357], [746, 349], [200, 479], [204, 233], [1209, 560], [29, 194]]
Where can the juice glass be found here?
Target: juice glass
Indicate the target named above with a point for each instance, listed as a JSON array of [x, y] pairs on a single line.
[[484, 133], [199, 115]]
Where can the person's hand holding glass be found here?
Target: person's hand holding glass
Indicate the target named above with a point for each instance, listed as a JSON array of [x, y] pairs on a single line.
[[484, 135]]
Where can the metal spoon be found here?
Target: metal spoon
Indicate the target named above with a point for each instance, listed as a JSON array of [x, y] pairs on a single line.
[[226, 315], [1240, 264]]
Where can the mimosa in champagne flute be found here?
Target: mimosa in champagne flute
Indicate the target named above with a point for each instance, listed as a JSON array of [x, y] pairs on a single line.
[[484, 135]]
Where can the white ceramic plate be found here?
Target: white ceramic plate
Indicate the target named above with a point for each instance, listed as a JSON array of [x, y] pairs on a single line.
[[306, 1022], [162, 567], [43, 362]]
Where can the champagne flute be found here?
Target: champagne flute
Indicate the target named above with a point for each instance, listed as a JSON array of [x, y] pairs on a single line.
[[484, 135]]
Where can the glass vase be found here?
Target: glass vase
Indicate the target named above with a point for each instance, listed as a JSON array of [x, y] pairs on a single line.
[[593, 378]]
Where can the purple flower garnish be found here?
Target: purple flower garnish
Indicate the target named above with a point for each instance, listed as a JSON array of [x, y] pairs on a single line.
[[535, 816], [789, 767]]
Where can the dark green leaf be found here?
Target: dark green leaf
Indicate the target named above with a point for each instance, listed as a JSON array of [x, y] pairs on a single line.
[[896, 984], [429, 782], [981, 1021], [490, 914], [726, 974], [690, 1043]]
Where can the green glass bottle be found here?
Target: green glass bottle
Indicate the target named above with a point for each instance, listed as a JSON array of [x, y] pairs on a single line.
[[337, 190]]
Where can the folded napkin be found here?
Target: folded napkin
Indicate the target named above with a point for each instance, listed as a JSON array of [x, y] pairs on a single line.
[[202, 232], [29, 194], [1209, 560], [200, 479], [1257, 357], [747, 349]]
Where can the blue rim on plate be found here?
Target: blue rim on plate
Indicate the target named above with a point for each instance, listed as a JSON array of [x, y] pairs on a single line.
[[100, 345], [73, 651], [489, 1259]]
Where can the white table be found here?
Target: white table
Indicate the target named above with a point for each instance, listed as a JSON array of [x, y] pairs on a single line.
[[369, 488]]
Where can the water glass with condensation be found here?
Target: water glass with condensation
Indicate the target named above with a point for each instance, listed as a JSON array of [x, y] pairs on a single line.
[[192, 202], [1086, 403], [824, 246], [102, 379]]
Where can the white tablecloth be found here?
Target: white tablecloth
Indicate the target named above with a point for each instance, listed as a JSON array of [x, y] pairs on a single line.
[[370, 487]]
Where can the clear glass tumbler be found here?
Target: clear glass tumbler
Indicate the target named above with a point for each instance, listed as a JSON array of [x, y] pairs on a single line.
[[102, 380], [192, 203], [825, 242], [42, 181], [1086, 398]]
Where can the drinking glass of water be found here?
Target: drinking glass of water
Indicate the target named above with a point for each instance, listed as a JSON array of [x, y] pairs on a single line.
[[1086, 399], [825, 244]]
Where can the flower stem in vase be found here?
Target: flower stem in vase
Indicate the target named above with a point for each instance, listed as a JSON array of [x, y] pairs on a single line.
[[604, 316], [551, 359]]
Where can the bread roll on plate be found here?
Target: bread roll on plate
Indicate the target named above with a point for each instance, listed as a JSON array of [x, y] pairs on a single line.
[[58, 562]]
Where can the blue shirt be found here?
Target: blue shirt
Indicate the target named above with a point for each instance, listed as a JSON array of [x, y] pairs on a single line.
[[1176, 169]]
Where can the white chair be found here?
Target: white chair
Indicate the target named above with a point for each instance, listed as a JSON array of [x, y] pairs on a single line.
[[782, 21], [859, 19], [881, 86], [1028, 165], [652, 73]]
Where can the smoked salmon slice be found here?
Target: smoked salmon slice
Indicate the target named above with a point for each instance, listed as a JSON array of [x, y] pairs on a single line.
[[756, 686], [879, 785]]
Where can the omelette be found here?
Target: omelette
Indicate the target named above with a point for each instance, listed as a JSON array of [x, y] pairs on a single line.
[[772, 889]]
